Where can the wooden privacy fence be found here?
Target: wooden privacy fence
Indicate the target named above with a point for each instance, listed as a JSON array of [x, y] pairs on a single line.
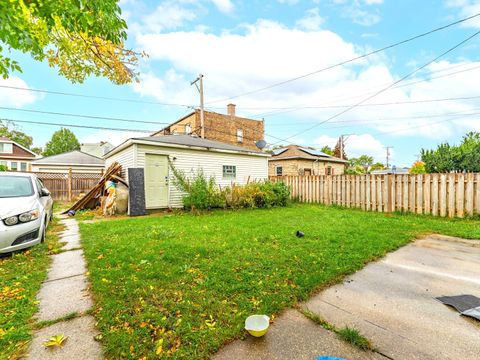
[[68, 186], [436, 194]]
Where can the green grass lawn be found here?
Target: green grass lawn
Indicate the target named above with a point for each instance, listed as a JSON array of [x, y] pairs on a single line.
[[182, 285], [21, 276]]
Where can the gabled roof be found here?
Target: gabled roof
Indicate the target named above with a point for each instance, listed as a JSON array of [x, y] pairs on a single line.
[[74, 158], [186, 141], [5, 139], [291, 152]]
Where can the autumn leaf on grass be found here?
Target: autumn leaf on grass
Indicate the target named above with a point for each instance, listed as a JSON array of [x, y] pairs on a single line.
[[55, 340], [211, 323], [159, 347]]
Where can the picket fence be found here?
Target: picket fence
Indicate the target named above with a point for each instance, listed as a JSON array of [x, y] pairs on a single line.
[[452, 195], [67, 186]]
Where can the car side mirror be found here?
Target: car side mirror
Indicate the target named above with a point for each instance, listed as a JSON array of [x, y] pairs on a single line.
[[44, 192]]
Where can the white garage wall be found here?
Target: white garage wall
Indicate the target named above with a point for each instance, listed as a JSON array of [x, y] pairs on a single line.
[[189, 161], [126, 158]]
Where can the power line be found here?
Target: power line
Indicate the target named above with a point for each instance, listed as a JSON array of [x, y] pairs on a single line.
[[93, 96], [380, 120], [275, 108], [347, 61], [292, 109], [75, 126], [388, 87], [83, 116]]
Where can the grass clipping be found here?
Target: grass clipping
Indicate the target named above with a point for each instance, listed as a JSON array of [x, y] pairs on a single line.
[[350, 335]]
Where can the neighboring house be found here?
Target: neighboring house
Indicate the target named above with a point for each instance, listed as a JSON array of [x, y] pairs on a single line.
[[296, 160], [226, 163], [391, 171], [15, 156], [77, 161], [229, 129], [96, 149]]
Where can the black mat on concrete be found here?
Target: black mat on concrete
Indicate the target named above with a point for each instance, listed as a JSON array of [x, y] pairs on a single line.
[[467, 305]]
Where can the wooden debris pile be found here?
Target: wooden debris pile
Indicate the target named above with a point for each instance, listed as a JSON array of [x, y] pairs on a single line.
[[92, 199]]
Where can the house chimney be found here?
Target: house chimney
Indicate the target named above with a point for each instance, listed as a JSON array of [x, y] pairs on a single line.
[[231, 110]]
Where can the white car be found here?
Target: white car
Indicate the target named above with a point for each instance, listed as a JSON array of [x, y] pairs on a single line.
[[26, 209]]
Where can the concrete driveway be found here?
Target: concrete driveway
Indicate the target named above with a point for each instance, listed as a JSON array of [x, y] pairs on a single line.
[[392, 302]]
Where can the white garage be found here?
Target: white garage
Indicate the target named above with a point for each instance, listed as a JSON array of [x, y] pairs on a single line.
[[226, 163]]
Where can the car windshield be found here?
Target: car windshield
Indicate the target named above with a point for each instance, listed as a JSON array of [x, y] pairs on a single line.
[[15, 186]]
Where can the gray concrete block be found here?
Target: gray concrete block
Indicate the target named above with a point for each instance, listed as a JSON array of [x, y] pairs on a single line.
[[392, 301], [79, 345], [62, 297], [69, 263], [293, 336]]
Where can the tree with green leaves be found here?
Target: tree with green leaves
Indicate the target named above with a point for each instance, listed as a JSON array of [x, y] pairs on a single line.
[[3, 167], [79, 38], [62, 141], [327, 150], [454, 158], [10, 131], [376, 166]]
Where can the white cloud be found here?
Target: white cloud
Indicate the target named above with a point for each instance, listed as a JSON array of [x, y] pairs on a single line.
[[288, 2], [361, 16], [357, 145], [311, 21], [114, 137], [225, 6], [466, 8], [167, 15], [268, 52], [16, 98]]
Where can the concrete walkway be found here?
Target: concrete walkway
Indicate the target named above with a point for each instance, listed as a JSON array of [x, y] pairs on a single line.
[[65, 292], [391, 302]]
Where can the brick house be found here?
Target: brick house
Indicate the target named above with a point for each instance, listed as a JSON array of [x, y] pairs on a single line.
[[227, 128], [296, 160], [14, 156]]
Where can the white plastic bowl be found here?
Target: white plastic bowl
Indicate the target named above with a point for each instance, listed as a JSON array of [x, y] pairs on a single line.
[[257, 325]]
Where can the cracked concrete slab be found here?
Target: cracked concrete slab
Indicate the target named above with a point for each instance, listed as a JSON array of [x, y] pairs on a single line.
[[62, 297], [67, 264], [80, 343], [293, 336], [392, 302]]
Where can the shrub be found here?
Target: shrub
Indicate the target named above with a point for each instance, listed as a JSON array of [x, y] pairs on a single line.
[[3, 168], [202, 193]]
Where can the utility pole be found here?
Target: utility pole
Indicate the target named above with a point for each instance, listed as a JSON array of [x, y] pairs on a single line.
[[388, 154], [343, 138], [202, 110]]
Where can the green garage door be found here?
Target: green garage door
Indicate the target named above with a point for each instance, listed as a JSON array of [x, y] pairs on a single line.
[[156, 181]]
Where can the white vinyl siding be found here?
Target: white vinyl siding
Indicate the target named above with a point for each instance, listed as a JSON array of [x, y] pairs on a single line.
[[248, 167], [126, 158]]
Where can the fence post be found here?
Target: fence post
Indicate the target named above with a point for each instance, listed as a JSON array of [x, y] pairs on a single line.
[[389, 200], [69, 184]]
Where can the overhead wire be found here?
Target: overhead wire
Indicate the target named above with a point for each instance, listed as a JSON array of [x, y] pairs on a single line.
[[388, 87], [347, 61]]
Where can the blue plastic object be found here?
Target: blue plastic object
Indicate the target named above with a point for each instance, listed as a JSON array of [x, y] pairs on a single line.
[[329, 358]]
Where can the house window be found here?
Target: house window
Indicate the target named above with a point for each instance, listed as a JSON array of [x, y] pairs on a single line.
[[239, 135], [4, 163], [23, 166], [188, 129], [14, 166], [328, 170], [229, 172], [6, 148], [279, 170]]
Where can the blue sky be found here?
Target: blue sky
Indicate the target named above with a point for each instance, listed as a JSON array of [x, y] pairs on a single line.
[[241, 46]]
